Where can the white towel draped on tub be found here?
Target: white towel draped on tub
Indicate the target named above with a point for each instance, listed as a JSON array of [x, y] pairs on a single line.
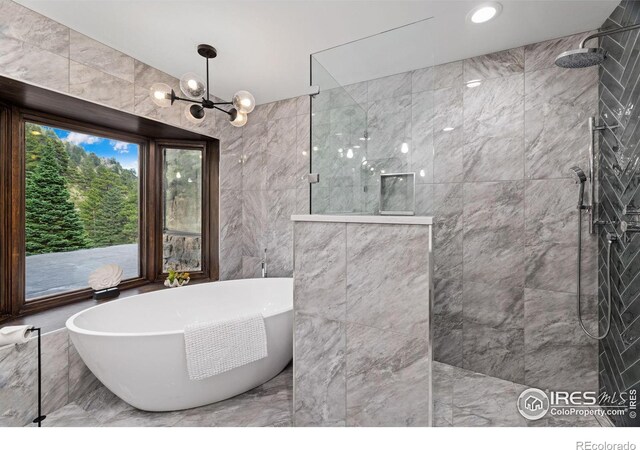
[[217, 347]]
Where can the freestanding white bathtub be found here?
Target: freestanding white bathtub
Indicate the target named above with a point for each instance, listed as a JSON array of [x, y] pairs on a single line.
[[135, 346]]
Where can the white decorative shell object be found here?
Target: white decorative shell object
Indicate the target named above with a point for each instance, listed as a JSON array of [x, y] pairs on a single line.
[[105, 277], [176, 283]]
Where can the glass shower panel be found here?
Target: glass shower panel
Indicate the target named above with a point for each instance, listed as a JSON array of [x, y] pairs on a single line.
[[373, 116], [338, 146]]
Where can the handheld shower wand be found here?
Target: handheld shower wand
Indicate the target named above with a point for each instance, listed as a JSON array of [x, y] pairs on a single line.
[[582, 179]]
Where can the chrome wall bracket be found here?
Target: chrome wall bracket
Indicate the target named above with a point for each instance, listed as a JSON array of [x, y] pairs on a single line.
[[630, 210], [630, 227], [312, 91]]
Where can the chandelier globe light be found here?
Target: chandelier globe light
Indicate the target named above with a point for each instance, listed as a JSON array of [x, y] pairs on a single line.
[[197, 94]]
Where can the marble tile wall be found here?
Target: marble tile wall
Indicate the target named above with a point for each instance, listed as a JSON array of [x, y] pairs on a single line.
[[491, 140], [65, 378], [274, 161], [361, 320]]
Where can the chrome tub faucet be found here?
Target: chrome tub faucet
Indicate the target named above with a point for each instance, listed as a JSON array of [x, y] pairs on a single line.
[[264, 264]]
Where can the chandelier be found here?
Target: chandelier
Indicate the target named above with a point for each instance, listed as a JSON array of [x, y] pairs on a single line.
[[198, 95]]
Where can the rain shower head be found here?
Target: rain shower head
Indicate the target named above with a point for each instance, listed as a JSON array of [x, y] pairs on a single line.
[[581, 57], [579, 173], [587, 57]]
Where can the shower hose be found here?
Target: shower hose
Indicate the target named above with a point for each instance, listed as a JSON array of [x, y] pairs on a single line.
[[610, 240]]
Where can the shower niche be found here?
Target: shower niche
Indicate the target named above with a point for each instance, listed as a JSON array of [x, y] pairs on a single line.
[[397, 194]]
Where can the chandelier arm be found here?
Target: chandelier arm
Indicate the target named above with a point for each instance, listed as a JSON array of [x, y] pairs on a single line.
[[199, 102], [220, 109]]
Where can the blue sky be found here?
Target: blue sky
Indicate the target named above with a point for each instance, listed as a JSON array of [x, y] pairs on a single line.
[[124, 152]]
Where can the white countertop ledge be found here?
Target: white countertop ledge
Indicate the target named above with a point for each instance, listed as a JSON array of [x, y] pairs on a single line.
[[396, 220]]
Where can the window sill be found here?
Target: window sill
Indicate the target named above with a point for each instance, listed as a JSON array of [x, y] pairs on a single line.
[[55, 318]]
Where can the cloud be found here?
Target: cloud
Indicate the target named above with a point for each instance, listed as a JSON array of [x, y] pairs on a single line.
[[119, 146], [79, 139], [132, 165]]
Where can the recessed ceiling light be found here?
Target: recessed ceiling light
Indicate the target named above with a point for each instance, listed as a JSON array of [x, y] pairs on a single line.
[[484, 12], [448, 129]]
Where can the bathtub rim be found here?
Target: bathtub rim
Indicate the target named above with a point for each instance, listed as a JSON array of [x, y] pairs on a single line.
[[72, 327]]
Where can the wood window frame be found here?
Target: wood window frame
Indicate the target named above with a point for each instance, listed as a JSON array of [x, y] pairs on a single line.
[[210, 203], [12, 201], [5, 211]]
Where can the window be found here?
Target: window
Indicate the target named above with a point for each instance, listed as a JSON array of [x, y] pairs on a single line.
[[75, 196], [81, 208], [182, 209]]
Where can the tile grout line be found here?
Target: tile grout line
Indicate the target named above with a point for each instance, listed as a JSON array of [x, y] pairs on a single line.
[[346, 305]]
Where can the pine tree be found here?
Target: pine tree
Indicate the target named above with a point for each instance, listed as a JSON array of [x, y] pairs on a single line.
[[86, 172], [105, 193], [103, 212], [52, 224], [130, 230], [38, 139]]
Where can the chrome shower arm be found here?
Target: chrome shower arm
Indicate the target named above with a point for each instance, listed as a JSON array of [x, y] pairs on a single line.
[[609, 32]]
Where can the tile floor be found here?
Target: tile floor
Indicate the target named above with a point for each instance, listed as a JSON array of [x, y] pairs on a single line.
[[467, 399], [266, 405], [462, 398]]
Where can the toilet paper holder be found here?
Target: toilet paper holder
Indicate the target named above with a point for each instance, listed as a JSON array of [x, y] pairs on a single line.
[[21, 336]]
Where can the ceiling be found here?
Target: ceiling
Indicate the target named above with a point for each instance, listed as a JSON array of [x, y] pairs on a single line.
[[264, 46]]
